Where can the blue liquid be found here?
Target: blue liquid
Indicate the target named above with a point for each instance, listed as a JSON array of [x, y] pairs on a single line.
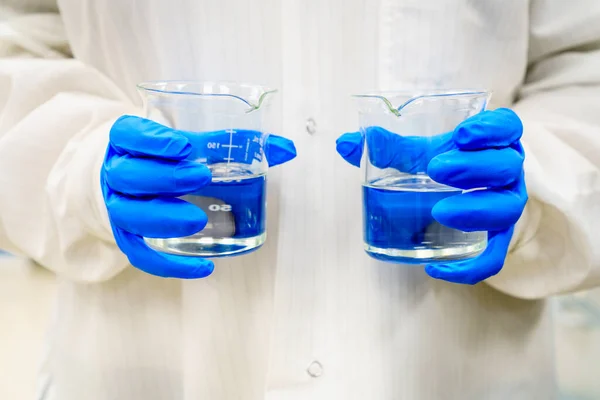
[[398, 226], [236, 211]]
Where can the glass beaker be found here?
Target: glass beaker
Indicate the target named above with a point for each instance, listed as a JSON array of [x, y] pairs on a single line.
[[403, 131], [225, 125]]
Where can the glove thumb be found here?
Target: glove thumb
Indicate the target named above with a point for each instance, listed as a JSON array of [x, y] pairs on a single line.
[[350, 147], [279, 150]]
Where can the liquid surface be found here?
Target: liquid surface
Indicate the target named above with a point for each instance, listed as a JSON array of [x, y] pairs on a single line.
[[235, 203], [398, 226]]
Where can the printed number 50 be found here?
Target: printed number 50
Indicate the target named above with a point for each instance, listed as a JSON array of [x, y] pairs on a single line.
[[217, 207]]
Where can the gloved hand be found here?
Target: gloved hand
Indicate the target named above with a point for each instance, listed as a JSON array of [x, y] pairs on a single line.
[[146, 167], [483, 151]]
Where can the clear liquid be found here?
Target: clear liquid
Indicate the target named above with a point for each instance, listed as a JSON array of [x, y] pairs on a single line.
[[235, 203], [398, 226]]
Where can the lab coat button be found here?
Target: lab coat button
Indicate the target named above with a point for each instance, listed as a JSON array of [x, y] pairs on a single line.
[[315, 369], [311, 126]]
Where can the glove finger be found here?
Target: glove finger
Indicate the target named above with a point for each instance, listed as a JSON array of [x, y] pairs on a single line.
[[147, 176], [279, 150], [410, 154], [141, 256], [350, 147], [493, 168], [481, 210], [475, 270], [498, 128], [145, 138], [155, 218]]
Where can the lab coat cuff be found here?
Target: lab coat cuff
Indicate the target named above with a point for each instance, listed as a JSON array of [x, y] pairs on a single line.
[[526, 227], [105, 231], [551, 251], [91, 158]]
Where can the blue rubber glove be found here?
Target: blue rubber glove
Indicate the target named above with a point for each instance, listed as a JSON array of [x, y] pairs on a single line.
[[484, 151], [146, 167]]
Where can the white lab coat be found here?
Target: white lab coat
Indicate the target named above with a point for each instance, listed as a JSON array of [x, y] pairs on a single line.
[[309, 316]]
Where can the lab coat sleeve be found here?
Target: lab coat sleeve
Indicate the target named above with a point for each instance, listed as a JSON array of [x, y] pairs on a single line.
[[55, 117], [556, 247]]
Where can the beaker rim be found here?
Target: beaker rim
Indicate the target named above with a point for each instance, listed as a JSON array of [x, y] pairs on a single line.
[[423, 92], [419, 93], [225, 88]]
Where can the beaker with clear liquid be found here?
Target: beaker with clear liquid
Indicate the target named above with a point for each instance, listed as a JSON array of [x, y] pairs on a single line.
[[225, 124], [403, 131]]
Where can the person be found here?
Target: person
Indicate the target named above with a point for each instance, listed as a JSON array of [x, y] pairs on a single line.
[[309, 315]]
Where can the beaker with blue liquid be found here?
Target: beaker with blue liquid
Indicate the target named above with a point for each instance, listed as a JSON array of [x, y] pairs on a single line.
[[402, 132], [225, 124]]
